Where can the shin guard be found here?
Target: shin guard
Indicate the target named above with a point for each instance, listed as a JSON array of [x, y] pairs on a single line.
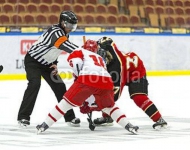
[[143, 102], [59, 111]]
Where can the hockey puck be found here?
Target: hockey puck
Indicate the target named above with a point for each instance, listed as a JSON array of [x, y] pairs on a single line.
[[1, 68]]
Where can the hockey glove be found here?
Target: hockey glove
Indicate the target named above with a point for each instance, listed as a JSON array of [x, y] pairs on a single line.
[[85, 108]]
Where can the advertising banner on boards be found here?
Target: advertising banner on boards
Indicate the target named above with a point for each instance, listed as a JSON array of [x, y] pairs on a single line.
[[157, 52]]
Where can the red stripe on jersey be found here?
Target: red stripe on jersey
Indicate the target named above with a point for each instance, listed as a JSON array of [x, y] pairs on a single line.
[[52, 117], [72, 104], [113, 110], [59, 110], [75, 54], [118, 119]]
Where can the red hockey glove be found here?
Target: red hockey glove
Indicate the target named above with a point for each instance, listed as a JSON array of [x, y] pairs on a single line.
[[85, 108], [95, 109]]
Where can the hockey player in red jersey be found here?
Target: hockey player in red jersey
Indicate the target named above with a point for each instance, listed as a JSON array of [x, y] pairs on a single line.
[[132, 73], [92, 79]]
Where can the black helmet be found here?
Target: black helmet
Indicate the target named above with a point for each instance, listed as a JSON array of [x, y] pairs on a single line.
[[69, 18], [105, 43]]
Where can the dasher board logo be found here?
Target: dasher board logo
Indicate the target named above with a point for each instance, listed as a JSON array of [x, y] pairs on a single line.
[[26, 44]]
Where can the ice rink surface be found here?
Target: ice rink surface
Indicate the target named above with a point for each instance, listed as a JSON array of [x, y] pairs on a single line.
[[171, 95]]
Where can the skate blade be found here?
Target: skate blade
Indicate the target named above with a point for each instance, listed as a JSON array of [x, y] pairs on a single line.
[[104, 124], [38, 131], [73, 125], [135, 132], [159, 128], [23, 126]]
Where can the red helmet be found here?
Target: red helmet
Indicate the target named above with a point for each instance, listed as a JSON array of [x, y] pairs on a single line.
[[91, 46]]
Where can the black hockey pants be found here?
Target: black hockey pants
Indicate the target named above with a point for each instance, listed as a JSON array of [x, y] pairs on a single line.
[[34, 71]]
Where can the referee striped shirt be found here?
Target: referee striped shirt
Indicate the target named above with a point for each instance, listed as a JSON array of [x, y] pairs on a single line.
[[50, 45]]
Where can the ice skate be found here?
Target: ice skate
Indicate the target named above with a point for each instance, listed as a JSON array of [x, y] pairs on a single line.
[[41, 128], [131, 128], [74, 123], [23, 123], [104, 121], [160, 124]]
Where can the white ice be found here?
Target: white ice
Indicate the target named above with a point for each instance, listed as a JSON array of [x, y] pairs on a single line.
[[170, 94]]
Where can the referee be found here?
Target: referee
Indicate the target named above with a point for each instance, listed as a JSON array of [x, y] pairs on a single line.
[[41, 60]]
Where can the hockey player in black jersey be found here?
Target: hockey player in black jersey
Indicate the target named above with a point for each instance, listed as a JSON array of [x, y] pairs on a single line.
[[129, 70], [41, 60]]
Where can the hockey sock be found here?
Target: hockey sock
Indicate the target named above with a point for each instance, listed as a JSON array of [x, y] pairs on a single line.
[[60, 109], [117, 115], [143, 102]]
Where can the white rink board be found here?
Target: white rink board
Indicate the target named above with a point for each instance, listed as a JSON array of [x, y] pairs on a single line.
[[157, 52]]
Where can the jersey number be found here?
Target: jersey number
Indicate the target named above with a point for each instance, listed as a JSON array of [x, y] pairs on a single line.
[[116, 89], [133, 60], [97, 61]]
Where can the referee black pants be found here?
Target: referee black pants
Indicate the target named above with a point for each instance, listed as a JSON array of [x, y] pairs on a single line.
[[34, 71]]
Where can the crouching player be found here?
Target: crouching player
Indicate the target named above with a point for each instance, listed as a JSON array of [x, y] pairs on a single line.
[[92, 79], [128, 70]]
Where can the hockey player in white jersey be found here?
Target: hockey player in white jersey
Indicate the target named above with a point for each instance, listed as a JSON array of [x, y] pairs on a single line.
[[92, 79]]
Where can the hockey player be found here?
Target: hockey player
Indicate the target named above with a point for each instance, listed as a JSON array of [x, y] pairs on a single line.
[[128, 70], [92, 78]]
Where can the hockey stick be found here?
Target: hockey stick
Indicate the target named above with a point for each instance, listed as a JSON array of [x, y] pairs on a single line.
[[91, 124], [1, 68], [84, 39]]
